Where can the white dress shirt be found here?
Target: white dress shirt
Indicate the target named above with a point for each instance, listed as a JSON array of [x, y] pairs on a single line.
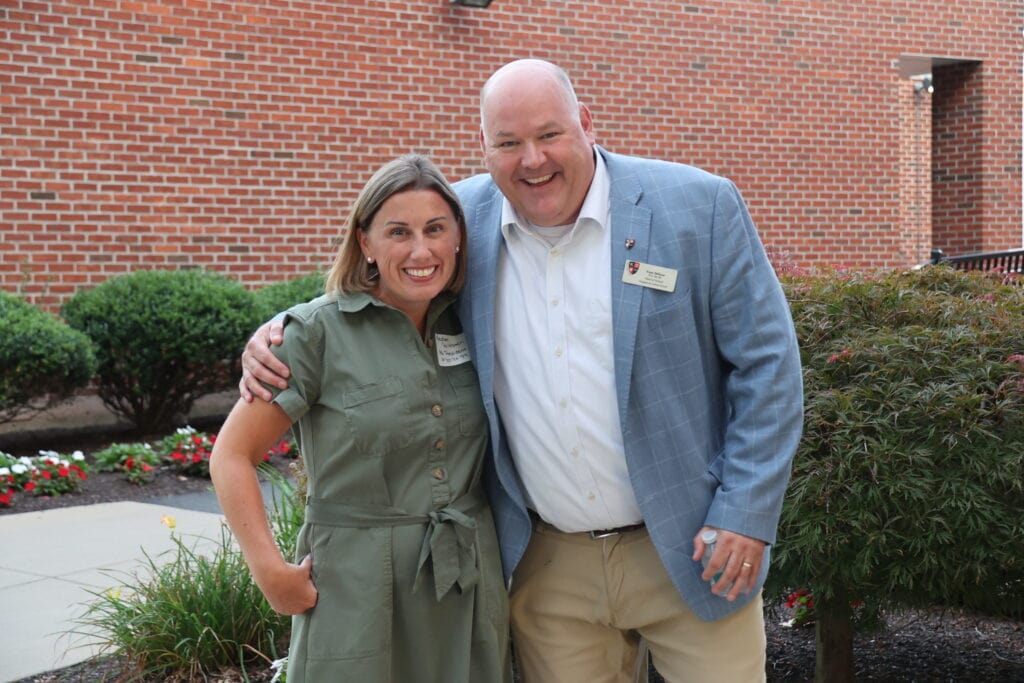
[[554, 378]]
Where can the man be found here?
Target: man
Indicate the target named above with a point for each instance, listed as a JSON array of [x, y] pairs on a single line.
[[641, 377]]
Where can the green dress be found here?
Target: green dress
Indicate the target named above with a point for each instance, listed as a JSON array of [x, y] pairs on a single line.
[[405, 556]]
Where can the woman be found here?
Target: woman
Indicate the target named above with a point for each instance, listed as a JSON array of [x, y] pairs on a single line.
[[400, 578]]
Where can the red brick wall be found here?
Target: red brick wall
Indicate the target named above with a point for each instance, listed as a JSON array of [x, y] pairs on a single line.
[[233, 135]]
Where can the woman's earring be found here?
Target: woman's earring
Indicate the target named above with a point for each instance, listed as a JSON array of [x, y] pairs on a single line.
[[369, 259], [456, 249]]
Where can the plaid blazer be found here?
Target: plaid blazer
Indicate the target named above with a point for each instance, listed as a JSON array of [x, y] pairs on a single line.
[[708, 376]]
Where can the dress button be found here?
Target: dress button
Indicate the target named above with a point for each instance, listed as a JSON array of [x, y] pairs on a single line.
[[439, 444], [439, 473], [436, 410]]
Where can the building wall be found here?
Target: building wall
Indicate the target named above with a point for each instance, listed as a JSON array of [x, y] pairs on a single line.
[[233, 135]]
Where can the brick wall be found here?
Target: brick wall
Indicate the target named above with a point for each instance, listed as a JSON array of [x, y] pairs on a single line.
[[233, 135]]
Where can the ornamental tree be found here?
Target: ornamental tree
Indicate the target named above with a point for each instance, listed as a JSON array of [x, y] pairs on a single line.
[[908, 484]]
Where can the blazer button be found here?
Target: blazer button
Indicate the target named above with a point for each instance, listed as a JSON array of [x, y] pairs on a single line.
[[439, 444], [436, 410]]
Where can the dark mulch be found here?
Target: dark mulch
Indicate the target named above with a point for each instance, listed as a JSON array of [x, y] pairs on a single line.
[[920, 646]]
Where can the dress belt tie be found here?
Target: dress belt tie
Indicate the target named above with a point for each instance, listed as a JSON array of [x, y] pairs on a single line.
[[450, 541]]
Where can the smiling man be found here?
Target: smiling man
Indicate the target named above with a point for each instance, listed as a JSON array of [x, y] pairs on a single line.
[[646, 385]]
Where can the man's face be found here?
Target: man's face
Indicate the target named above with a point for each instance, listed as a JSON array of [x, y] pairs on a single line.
[[538, 146]]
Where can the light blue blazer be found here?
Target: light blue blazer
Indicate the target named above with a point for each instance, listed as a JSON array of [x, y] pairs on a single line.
[[708, 377]]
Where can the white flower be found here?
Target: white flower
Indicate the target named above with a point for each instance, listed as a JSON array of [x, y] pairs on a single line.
[[78, 456], [24, 460], [186, 430], [4, 471], [278, 666], [49, 454], [19, 468]]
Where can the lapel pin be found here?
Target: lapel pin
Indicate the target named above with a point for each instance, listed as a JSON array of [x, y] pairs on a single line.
[[630, 242]]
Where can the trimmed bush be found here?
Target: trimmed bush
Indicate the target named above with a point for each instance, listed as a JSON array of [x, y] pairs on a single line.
[[42, 360], [163, 339], [281, 296]]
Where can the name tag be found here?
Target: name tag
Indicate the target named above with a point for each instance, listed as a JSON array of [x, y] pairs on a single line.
[[646, 275], [452, 349]]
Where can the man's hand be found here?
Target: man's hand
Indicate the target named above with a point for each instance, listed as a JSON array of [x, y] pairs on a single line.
[[737, 557], [258, 363]]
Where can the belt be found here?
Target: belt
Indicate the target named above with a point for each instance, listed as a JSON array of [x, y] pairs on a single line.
[[596, 533], [601, 533], [449, 543]]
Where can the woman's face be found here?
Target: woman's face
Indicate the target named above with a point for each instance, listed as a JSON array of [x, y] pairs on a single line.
[[413, 239]]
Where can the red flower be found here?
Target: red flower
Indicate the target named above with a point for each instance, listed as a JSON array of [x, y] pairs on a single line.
[[197, 440], [45, 474], [176, 455], [845, 353], [129, 464], [213, 438], [5, 498], [146, 468], [78, 471], [29, 485], [197, 458]]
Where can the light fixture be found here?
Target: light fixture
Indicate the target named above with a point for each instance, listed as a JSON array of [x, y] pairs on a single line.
[[924, 85], [472, 3]]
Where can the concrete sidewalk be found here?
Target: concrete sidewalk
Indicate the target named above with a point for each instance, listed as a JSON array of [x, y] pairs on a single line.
[[52, 559]]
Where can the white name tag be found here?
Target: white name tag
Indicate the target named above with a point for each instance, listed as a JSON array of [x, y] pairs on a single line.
[[646, 275], [451, 349]]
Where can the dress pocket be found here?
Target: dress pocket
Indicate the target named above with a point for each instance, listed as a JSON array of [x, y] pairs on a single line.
[[353, 574], [470, 407], [379, 416]]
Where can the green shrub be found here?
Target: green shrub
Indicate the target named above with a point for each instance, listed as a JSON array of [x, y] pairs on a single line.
[[42, 360], [908, 484], [197, 612], [163, 339], [281, 296]]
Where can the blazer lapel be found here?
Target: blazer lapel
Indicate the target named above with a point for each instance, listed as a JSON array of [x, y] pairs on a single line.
[[630, 235], [484, 245]]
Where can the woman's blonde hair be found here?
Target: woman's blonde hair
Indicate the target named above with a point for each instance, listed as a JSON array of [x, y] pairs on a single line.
[[351, 272]]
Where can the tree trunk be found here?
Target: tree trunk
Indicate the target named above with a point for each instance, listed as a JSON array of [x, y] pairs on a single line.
[[833, 640]]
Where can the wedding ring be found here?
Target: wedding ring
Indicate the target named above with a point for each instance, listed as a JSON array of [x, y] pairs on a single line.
[[747, 565]]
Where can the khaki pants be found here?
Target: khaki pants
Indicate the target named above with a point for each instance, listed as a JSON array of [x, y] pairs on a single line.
[[580, 607]]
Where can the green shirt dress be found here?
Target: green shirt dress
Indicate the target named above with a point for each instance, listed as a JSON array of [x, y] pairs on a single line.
[[405, 557]]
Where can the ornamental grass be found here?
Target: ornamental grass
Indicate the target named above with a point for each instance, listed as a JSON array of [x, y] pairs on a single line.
[[195, 611]]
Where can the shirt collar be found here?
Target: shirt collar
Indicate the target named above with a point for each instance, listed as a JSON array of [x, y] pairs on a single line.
[[350, 302], [595, 205]]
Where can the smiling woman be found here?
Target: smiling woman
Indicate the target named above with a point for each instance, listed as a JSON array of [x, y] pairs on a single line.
[[398, 551], [413, 240]]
